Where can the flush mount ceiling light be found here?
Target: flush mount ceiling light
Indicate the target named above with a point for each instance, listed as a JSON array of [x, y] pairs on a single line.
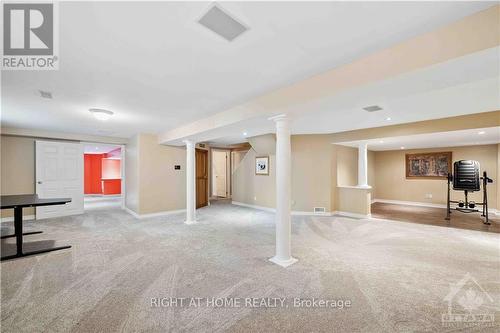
[[245, 133], [388, 118], [218, 21], [481, 132], [101, 114], [372, 108]]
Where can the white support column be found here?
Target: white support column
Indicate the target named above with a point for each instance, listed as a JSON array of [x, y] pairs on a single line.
[[190, 182], [363, 165], [283, 255]]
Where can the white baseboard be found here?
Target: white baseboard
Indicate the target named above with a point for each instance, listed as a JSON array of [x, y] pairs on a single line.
[[267, 209], [305, 213], [145, 216], [354, 215], [424, 204], [409, 203], [11, 218], [273, 210]]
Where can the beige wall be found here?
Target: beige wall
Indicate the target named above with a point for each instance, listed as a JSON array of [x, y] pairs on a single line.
[[311, 176], [354, 200], [347, 166], [391, 182], [264, 144], [318, 167], [17, 168], [498, 175], [254, 189], [311, 162], [132, 174], [154, 184]]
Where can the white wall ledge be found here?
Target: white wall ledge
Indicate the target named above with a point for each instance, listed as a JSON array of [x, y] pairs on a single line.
[[355, 187]]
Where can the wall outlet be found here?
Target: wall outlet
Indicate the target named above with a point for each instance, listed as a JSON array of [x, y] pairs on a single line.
[[428, 195]]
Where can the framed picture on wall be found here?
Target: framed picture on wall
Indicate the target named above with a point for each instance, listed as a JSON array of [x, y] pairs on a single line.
[[262, 165], [428, 165]]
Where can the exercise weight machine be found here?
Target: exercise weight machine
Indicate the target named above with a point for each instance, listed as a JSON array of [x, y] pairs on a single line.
[[466, 178]]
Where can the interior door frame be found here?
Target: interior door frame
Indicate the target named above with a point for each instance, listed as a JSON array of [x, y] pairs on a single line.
[[207, 183], [228, 171], [122, 165]]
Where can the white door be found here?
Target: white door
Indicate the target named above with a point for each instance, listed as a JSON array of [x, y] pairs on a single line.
[[220, 171], [59, 174]]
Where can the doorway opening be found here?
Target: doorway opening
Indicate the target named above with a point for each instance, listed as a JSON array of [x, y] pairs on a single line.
[[103, 168], [221, 174]]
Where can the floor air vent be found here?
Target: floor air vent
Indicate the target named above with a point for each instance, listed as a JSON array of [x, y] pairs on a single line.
[[319, 210]]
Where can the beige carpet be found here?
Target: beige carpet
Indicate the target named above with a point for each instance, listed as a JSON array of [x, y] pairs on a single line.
[[396, 275]]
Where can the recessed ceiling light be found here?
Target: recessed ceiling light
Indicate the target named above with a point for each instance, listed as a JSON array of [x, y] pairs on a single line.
[[381, 141], [481, 132], [101, 114], [372, 108], [245, 133], [45, 94], [402, 147], [388, 118]]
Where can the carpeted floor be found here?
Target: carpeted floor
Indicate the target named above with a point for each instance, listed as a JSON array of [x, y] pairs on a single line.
[[396, 275]]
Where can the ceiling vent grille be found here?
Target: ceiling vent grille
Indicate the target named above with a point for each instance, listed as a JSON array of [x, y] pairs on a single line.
[[372, 108], [222, 24], [45, 94]]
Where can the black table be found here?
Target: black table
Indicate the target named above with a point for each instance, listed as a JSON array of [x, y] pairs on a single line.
[[18, 202]]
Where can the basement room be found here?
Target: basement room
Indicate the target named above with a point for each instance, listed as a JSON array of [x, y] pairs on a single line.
[[250, 166]]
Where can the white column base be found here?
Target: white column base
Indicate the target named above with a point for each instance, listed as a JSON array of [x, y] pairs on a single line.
[[190, 222], [283, 263]]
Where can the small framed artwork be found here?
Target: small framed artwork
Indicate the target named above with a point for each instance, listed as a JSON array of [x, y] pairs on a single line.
[[262, 165], [428, 165]]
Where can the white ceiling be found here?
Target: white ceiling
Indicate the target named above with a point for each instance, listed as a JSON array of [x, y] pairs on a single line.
[[470, 137], [464, 85], [156, 68]]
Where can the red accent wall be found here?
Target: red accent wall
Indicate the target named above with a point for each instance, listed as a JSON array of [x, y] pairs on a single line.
[[92, 173], [101, 175], [111, 176], [112, 186]]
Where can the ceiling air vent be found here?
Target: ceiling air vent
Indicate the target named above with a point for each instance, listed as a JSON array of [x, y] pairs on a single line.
[[222, 24], [45, 94], [372, 108]]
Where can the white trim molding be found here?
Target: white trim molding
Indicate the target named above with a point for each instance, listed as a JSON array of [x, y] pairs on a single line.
[[492, 211], [353, 215], [409, 203], [145, 216], [306, 213], [11, 218], [267, 209], [273, 210]]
